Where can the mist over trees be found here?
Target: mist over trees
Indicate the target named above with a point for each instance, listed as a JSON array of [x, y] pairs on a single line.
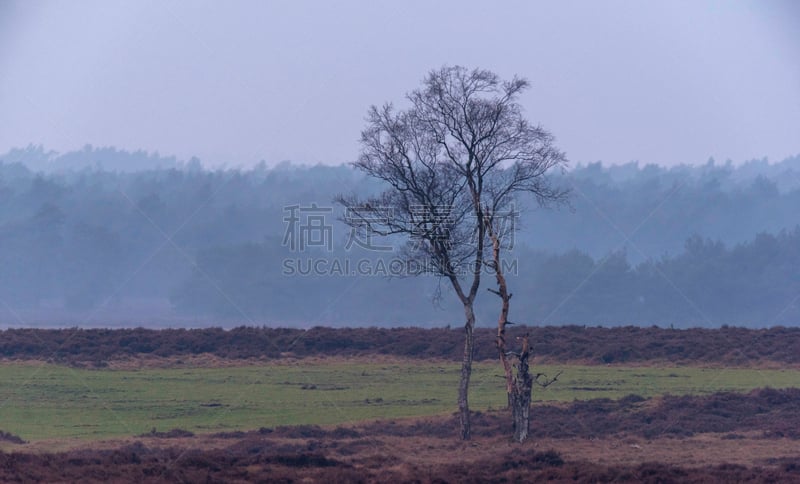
[[87, 239]]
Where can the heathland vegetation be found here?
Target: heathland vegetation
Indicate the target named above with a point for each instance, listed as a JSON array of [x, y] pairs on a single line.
[[172, 415], [95, 348]]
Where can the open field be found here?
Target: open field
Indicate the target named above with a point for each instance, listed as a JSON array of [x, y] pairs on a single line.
[[370, 405], [722, 437], [40, 401]]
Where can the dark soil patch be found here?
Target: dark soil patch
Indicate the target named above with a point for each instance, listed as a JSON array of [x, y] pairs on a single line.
[[171, 434], [9, 437]]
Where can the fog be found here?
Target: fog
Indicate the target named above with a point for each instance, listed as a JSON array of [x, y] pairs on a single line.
[[170, 243], [164, 163]]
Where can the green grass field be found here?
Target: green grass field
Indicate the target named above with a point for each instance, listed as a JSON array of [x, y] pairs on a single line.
[[39, 402]]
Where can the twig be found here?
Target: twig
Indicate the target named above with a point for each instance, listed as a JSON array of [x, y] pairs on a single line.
[[546, 383]]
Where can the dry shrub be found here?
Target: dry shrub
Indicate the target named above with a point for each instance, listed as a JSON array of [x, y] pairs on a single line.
[[98, 347], [9, 437]]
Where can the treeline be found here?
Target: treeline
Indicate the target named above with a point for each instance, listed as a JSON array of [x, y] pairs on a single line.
[[88, 237], [76, 239], [753, 284], [595, 345], [756, 283]]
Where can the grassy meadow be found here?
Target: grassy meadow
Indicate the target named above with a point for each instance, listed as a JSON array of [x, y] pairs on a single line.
[[40, 401]]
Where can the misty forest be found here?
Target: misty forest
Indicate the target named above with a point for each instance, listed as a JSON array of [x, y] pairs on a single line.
[[88, 233], [399, 242]]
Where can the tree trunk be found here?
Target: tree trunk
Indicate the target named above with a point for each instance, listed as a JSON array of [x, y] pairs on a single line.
[[466, 372], [521, 395]]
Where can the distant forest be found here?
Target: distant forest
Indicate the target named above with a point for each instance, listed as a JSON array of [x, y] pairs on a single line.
[[102, 237]]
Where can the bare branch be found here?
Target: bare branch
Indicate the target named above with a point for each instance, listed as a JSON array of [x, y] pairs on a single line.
[[546, 383]]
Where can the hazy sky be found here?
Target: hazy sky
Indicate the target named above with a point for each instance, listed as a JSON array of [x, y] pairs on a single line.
[[237, 82]]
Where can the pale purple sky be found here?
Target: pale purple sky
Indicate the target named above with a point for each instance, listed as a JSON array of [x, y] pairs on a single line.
[[236, 82]]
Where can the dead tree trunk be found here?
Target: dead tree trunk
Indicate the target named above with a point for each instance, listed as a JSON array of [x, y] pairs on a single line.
[[502, 321], [519, 387], [520, 398]]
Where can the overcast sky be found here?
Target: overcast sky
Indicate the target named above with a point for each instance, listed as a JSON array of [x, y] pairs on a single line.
[[237, 82]]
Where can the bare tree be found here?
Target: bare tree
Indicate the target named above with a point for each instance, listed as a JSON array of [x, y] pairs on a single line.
[[459, 153]]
